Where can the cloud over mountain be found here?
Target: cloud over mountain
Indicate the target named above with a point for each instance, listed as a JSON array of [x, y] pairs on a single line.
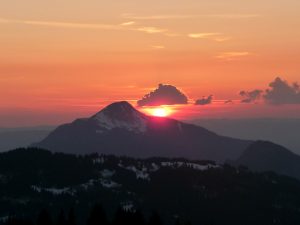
[[204, 100], [281, 92], [163, 95]]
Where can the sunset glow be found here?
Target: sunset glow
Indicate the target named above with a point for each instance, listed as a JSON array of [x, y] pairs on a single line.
[[75, 58], [160, 112], [163, 111]]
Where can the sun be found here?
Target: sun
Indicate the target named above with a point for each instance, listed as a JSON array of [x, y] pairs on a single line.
[[160, 112]]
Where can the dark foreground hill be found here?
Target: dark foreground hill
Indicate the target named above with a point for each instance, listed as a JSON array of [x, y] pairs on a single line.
[[120, 129], [199, 191]]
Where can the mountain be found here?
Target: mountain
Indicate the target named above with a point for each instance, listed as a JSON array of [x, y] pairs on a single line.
[[267, 156], [202, 192], [122, 130], [11, 138], [282, 131]]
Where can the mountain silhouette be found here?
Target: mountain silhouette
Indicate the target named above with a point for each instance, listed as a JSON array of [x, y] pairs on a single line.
[[120, 129], [266, 156]]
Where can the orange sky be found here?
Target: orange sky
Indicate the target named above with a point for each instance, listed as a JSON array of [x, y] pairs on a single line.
[[64, 59]]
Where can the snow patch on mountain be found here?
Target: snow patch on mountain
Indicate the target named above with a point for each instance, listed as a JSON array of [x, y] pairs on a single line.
[[140, 173], [194, 166], [128, 206], [136, 123], [88, 184], [54, 191], [99, 160], [109, 184], [4, 219], [154, 168], [107, 173]]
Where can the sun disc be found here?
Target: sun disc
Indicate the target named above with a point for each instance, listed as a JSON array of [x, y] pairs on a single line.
[[160, 112]]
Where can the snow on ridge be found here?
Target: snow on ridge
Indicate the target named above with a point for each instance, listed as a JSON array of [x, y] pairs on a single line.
[[194, 166], [88, 184], [4, 219], [54, 191], [137, 123], [99, 160], [128, 206], [106, 183], [144, 173], [155, 167], [109, 184], [139, 173], [107, 173]]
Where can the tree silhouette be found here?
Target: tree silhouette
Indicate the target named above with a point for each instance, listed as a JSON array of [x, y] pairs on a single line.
[[44, 218], [120, 218], [97, 216], [155, 219], [177, 221], [71, 217], [61, 220], [138, 218]]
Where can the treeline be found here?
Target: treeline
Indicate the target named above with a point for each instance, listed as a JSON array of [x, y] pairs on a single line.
[[97, 216]]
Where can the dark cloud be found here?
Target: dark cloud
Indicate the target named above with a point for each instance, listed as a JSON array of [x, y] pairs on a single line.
[[204, 100], [281, 92], [251, 96], [163, 95]]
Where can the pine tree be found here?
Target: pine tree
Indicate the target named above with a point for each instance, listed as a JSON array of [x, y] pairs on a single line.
[[155, 219], [61, 220], [177, 221], [138, 218], [119, 218], [97, 216], [44, 218], [71, 217]]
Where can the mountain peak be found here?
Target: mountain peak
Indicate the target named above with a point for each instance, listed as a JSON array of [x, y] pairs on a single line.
[[121, 115], [120, 107]]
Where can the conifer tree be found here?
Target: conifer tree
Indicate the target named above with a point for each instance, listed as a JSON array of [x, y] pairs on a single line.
[[61, 220], [97, 216], [155, 219], [71, 217], [44, 218]]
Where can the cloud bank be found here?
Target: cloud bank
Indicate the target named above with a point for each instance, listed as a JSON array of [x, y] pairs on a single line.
[[204, 100], [281, 92], [163, 95], [251, 96]]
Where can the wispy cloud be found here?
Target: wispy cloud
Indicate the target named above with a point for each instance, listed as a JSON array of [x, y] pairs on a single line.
[[218, 37], [129, 23], [232, 55], [151, 30], [123, 26], [158, 47], [203, 35], [180, 16], [63, 24]]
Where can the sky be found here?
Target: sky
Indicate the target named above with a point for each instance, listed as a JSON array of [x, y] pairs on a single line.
[[60, 60]]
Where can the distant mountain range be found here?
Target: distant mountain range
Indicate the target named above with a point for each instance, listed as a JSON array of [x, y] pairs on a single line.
[[282, 131], [11, 138], [199, 191], [267, 156], [122, 130]]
